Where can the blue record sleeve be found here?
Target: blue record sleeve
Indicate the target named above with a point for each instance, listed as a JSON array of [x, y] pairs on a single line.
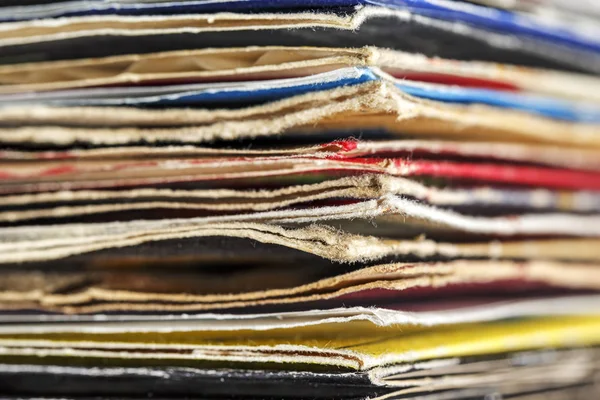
[[242, 94]]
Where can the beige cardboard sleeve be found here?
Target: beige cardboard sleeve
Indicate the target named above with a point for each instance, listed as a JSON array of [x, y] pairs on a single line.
[[271, 62], [108, 295], [373, 105]]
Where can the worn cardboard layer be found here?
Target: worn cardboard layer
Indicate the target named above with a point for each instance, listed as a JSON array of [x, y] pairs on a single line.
[[553, 29], [369, 106], [461, 42], [40, 164], [509, 382], [140, 7], [325, 345], [561, 41], [97, 292], [17, 177], [234, 64], [491, 375], [46, 242], [232, 94], [585, 159], [282, 62], [31, 284], [365, 319], [67, 204], [331, 244]]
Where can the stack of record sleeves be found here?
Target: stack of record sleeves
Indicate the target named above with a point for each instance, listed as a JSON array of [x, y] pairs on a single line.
[[300, 199]]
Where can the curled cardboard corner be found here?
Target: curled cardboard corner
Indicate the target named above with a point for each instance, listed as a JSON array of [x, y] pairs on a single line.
[[18, 33]]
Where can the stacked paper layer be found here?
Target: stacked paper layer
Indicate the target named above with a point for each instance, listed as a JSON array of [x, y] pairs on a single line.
[[349, 199]]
